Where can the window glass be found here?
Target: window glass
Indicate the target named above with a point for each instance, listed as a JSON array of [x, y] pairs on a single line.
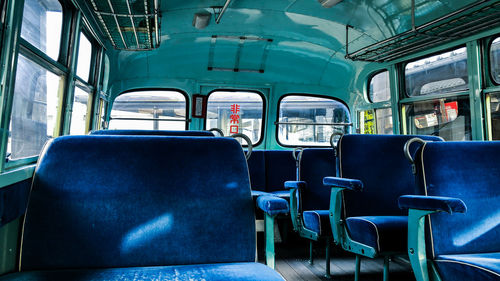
[[494, 110], [42, 23], [378, 121], [448, 118], [379, 89], [149, 110], [236, 112], [443, 73], [367, 122], [308, 121], [79, 113], [384, 121], [495, 60], [84, 57], [102, 114], [34, 109]]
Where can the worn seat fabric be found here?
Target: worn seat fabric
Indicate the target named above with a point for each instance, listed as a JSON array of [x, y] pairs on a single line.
[[463, 246], [384, 233], [95, 204], [485, 266], [318, 221], [208, 272]]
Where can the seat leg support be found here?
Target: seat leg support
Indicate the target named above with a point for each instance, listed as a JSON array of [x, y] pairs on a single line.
[[386, 268], [358, 268], [311, 246], [327, 258], [269, 229]]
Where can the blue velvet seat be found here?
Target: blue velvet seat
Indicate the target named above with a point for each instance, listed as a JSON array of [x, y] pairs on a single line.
[[310, 200], [153, 133], [318, 221], [280, 167], [365, 217], [461, 178], [383, 233], [98, 212]]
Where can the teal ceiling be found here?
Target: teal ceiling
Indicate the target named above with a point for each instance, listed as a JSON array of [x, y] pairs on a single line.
[[308, 44]]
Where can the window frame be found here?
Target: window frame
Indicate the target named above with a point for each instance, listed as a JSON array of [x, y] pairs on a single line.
[[107, 113], [406, 95], [369, 80], [264, 110], [276, 123]]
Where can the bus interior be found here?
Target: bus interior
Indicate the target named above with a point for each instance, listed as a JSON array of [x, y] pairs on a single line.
[[250, 140]]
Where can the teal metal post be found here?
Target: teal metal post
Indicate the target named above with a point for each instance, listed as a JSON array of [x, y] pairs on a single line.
[[416, 243], [358, 268], [386, 268], [311, 248], [327, 274], [269, 228]]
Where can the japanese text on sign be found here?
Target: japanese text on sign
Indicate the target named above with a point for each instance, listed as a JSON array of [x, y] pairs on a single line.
[[235, 119]]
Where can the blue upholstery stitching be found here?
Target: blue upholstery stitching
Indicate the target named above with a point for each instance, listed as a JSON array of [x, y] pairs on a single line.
[[426, 194], [469, 264]]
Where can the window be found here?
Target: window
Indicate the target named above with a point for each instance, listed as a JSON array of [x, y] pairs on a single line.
[[79, 113], [149, 110], [379, 87], [42, 24], [448, 118], [102, 114], [310, 121], [84, 58], [236, 112], [376, 121], [495, 60], [34, 109], [439, 74], [493, 108]]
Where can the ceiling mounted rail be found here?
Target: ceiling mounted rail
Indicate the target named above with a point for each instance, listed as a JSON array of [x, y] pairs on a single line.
[[130, 25], [473, 18]]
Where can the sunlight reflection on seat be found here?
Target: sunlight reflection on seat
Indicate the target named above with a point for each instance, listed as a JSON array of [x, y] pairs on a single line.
[[473, 232], [148, 231]]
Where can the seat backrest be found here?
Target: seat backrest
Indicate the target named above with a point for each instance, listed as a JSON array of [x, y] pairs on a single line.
[[257, 170], [380, 163], [94, 203], [153, 133], [280, 167], [469, 171], [315, 164]]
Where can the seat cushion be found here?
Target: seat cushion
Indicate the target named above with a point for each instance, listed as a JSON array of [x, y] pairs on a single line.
[[223, 271], [318, 221], [383, 233], [485, 267]]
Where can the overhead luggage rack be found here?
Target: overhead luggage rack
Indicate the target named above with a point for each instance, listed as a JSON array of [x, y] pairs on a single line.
[[471, 19], [130, 25]]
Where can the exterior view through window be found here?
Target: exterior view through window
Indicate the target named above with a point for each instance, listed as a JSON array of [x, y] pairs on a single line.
[[42, 24], [34, 109], [438, 74], [149, 110], [236, 112], [310, 121], [376, 121], [79, 112], [495, 60], [84, 57], [379, 88]]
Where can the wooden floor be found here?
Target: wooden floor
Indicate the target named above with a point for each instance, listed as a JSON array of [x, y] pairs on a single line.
[[292, 261]]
